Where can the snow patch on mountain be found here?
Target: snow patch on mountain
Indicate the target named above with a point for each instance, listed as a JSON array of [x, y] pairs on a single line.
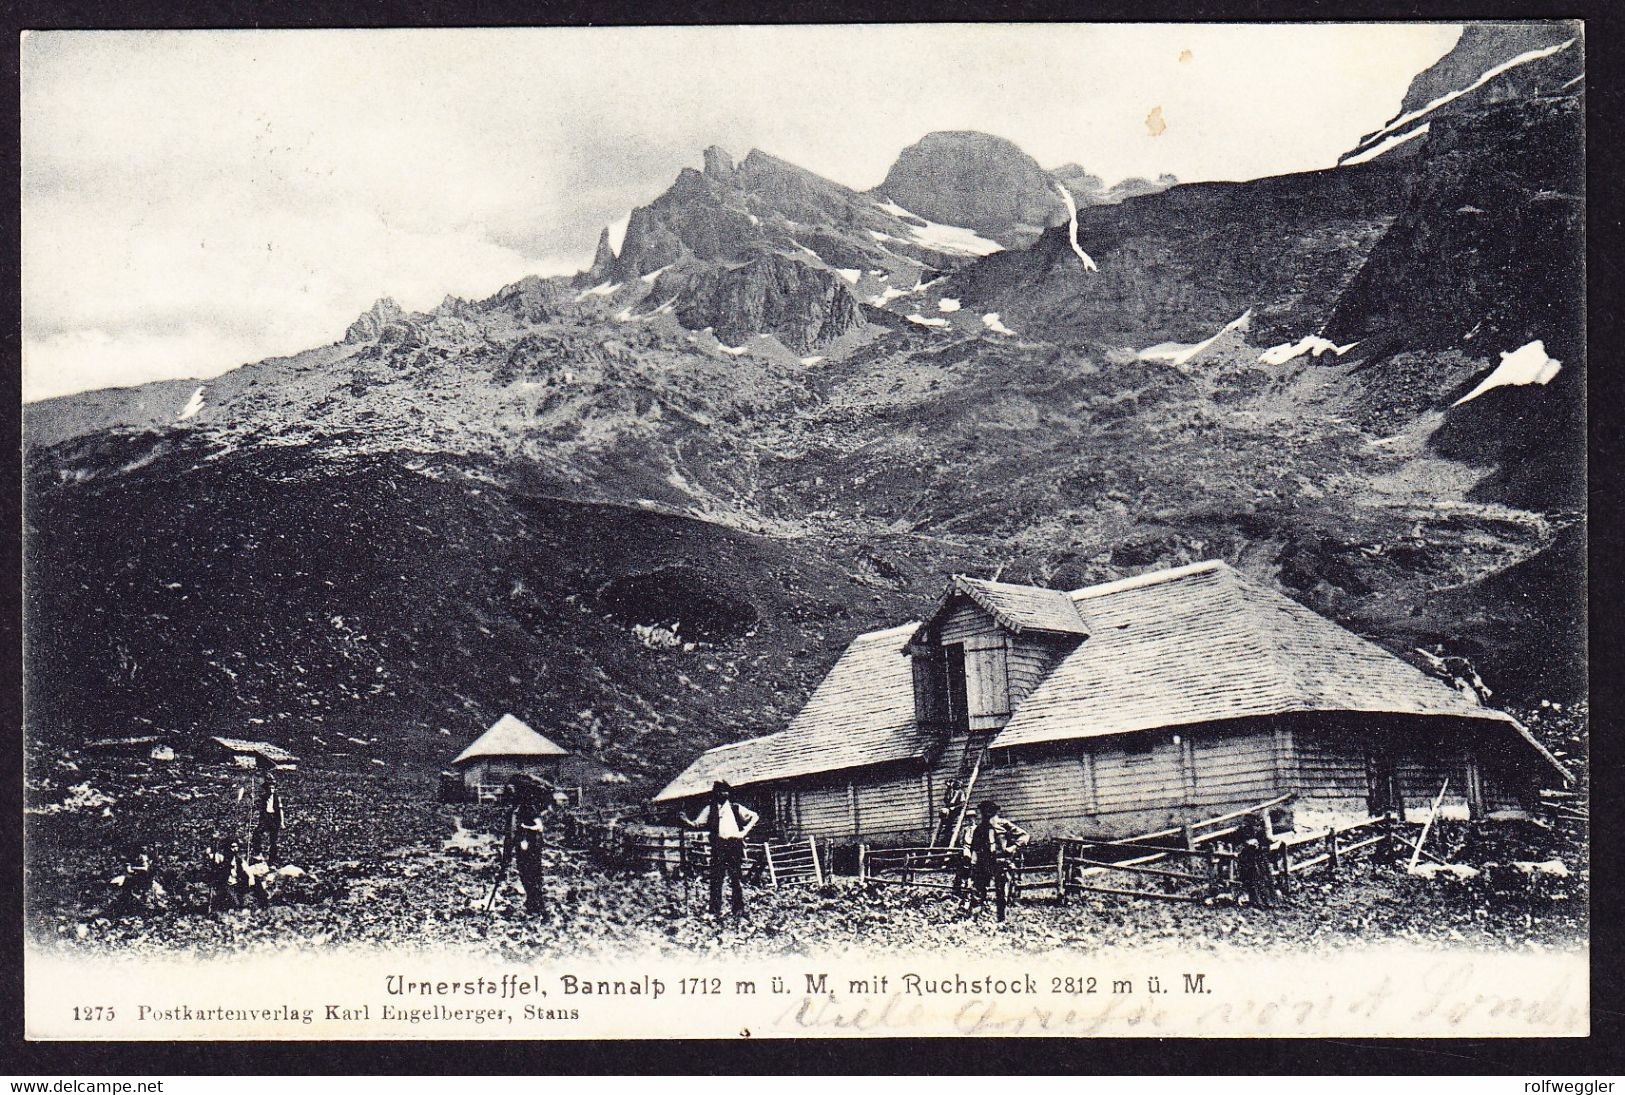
[[885, 296], [650, 277], [951, 239], [1178, 353], [193, 405], [947, 304], [927, 321], [1387, 145], [1528, 364], [602, 289], [947, 238], [850, 276], [898, 211], [992, 322], [1313, 345], [1072, 229]]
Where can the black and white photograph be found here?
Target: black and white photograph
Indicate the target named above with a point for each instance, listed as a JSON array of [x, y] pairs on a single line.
[[770, 532]]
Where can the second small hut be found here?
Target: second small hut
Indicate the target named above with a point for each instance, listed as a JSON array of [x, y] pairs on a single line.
[[509, 748]]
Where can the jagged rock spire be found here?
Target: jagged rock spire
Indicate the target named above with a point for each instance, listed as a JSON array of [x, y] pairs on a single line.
[[603, 259], [718, 164], [370, 324]]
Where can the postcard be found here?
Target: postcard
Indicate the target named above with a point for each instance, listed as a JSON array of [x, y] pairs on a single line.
[[805, 531]]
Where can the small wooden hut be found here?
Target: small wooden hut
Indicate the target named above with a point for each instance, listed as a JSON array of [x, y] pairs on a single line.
[[507, 749]]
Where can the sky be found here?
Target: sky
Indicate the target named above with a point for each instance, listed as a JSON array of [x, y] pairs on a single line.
[[194, 201]]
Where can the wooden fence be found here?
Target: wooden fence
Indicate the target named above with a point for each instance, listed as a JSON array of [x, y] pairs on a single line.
[[793, 863], [1299, 852], [930, 868], [1198, 862], [775, 862], [920, 868], [675, 852], [1165, 874]]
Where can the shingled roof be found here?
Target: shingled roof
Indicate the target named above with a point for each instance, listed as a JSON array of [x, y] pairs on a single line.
[[862, 713], [273, 753], [1202, 643], [1193, 644], [510, 737], [1015, 608]]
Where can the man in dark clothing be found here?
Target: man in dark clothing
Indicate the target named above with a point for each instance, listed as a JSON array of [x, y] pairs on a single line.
[[527, 855], [1253, 863], [728, 823], [229, 881], [990, 843], [269, 824]]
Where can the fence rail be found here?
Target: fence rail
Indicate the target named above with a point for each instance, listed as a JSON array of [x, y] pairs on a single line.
[[934, 868], [675, 852], [1203, 866]]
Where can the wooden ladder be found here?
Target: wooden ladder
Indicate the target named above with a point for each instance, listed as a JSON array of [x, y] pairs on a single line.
[[970, 767]]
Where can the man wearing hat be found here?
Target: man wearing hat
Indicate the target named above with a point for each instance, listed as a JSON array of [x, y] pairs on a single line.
[[527, 856], [990, 845], [729, 823], [269, 825]]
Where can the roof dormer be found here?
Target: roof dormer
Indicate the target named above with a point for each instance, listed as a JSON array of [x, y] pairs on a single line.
[[984, 647]]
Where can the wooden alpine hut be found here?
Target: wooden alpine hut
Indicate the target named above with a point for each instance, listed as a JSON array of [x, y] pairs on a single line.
[[507, 749], [1115, 709]]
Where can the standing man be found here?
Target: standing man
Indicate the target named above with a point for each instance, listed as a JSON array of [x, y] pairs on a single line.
[[1253, 864], [527, 855], [728, 823], [990, 843], [269, 824]]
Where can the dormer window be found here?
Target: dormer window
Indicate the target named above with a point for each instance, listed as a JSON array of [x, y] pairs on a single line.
[[984, 647]]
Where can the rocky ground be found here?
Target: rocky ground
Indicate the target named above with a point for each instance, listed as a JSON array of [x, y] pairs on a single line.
[[384, 864]]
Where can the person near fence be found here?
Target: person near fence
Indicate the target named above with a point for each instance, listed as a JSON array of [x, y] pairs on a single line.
[[991, 844], [268, 826], [1253, 863], [527, 856], [729, 823]]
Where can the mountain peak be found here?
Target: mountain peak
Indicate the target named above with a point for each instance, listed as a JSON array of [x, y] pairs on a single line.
[[603, 259], [975, 180], [455, 306], [718, 164], [370, 323]]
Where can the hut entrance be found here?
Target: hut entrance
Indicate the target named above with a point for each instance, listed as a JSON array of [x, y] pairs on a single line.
[[1383, 794]]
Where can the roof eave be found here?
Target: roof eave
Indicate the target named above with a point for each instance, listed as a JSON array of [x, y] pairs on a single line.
[[737, 782], [1488, 714]]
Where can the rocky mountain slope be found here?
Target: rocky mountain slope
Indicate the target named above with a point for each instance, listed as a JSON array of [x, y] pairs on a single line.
[[1490, 63], [644, 507]]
